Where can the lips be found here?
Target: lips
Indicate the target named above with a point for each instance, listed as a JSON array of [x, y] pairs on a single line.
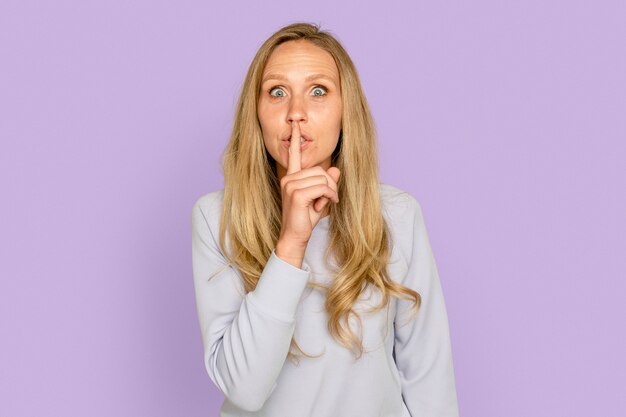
[[304, 135], [303, 145], [286, 142]]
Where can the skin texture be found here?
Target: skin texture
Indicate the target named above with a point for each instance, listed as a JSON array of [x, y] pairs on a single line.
[[290, 107], [315, 104]]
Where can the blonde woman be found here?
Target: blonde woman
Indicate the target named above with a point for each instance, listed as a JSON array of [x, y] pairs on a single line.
[[316, 287]]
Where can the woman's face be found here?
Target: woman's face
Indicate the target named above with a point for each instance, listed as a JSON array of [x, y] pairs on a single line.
[[300, 83]]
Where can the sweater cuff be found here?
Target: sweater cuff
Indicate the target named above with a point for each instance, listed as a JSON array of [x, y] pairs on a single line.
[[280, 288]]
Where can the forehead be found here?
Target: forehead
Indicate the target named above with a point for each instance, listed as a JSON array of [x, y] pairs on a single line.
[[296, 59]]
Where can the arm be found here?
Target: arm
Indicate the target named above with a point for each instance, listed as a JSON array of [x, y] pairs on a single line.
[[246, 338], [422, 348]]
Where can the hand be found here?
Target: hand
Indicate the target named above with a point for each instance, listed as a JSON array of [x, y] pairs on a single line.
[[305, 194]]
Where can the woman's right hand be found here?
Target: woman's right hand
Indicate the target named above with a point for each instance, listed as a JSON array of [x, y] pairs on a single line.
[[305, 193]]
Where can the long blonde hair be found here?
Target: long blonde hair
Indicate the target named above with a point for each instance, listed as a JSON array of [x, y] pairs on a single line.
[[359, 238]]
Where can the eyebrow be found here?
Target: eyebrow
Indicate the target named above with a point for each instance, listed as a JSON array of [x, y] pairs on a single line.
[[308, 78]]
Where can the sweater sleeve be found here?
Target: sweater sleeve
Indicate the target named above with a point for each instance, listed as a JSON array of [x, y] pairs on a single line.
[[422, 346], [246, 338]]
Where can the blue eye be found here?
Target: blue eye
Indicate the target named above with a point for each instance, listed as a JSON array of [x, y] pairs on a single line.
[[316, 92], [272, 89], [319, 87]]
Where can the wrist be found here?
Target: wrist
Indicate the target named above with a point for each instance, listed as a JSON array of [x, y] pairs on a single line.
[[290, 252]]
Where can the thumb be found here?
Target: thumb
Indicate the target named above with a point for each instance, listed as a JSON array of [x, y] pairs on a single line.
[[334, 173]]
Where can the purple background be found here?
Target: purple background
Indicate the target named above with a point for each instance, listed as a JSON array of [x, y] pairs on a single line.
[[506, 120]]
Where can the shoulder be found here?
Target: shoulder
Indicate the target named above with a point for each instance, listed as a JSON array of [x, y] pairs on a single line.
[[207, 209], [209, 204], [403, 215], [397, 204]]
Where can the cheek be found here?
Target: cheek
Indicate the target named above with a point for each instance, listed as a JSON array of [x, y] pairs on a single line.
[[265, 116], [266, 129], [332, 116], [333, 124]]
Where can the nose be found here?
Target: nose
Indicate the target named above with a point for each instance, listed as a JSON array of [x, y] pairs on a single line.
[[297, 110]]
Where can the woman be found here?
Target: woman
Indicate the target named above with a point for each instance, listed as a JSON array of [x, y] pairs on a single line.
[[304, 248]]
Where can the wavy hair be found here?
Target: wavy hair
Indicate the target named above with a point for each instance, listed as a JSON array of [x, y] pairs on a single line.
[[359, 238]]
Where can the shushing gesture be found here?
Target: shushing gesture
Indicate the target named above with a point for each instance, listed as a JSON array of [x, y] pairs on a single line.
[[305, 194]]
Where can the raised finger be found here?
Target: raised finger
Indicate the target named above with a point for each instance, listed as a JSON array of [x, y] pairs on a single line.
[[294, 162]]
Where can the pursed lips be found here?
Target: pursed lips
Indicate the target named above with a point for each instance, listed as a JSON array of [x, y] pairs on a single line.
[[304, 135], [303, 144]]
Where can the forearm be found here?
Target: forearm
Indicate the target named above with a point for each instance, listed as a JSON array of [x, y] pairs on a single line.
[[245, 353]]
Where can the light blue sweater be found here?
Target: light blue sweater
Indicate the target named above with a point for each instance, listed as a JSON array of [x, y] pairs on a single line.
[[406, 370]]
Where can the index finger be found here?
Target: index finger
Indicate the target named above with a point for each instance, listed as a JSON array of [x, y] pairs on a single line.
[[294, 157]]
